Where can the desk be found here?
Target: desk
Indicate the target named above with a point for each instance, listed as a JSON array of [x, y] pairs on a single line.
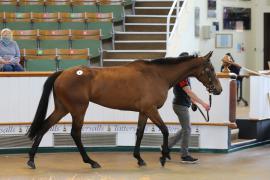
[[240, 95]]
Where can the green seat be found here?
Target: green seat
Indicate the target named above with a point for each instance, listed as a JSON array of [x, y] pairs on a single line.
[[19, 25], [73, 25], [72, 57], [39, 60], [52, 44], [103, 21], [18, 21], [93, 45], [2, 25], [40, 65], [31, 8], [8, 8], [26, 39], [45, 21], [118, 11], [27, 44], [65, 64], [58, 8], [86, 8], [81, 6], [73, 21], [106, 28], [46, 25]]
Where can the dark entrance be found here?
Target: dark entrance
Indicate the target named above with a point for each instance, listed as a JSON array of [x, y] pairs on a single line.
[[266, 40]]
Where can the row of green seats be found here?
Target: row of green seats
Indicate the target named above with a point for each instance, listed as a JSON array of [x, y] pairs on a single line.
[[93, 45], [106, 27], [118, 10], [40, 61], [51, 65]]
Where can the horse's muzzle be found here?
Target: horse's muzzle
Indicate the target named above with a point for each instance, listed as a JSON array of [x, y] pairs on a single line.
[[217, 91]]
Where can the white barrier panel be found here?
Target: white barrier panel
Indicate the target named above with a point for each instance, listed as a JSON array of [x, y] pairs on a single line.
[[259, 97], [20, 97]]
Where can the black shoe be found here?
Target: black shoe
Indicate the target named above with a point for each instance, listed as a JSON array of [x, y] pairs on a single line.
[[189, 160]]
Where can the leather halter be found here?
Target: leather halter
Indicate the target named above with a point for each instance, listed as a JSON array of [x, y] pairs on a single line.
[[210, 87]]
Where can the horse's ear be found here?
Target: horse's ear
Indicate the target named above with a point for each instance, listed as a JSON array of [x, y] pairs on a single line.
[[207, 56]]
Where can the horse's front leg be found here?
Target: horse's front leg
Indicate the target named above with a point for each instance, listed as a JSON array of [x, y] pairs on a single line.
[[140, 130], [154, 116]]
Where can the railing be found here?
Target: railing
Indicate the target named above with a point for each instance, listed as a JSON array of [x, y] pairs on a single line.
[[179, 12]]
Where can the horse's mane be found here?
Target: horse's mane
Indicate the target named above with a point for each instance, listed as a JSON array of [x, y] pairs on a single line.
[[170, 60]]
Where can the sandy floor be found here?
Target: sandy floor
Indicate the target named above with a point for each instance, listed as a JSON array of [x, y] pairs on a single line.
[[249, 164]]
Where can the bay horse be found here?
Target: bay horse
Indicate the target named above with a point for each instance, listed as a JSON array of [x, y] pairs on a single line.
[[140, 86]]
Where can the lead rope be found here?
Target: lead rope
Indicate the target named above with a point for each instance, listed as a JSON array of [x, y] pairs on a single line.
[[210, 104], [194, 107]]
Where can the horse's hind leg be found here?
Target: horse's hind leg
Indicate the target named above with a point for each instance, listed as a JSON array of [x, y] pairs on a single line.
[[140, 130], [47, 124], [77, 123], [156, 119]]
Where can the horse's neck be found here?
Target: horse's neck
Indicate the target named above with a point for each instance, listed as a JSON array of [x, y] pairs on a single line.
[[176, 72]]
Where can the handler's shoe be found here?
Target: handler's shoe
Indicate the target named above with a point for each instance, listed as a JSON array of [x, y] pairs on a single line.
[[189, 160]]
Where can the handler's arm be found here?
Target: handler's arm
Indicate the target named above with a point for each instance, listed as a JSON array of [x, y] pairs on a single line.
[[195, 98]]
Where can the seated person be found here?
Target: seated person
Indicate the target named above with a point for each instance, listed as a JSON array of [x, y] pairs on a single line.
[[232, 68], [9, 52], [236, 70]]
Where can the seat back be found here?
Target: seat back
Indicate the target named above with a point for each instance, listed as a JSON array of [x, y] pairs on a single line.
[[54, 39], [115, 6], [26, 38], [18, 21], [46, 21], [73, 57], [103, 21], [39, 60], [9, 5], [73, 21], [87, 39], [58, 6], [84, 6], [32, 6]]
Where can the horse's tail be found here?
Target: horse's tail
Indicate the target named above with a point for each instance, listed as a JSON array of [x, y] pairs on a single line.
[[42, 106]]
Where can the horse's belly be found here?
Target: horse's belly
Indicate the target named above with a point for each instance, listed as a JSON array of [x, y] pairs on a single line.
[[122, 101]]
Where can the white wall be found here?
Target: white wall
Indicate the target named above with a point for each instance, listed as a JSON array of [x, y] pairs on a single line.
[[252, 57], [182, 39]]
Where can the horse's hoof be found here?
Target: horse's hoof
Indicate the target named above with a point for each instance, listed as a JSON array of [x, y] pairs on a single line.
[[95, 165], [162, 161], [31, 164], [169, 157], [141, 163]]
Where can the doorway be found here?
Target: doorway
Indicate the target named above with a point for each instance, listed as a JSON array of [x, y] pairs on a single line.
[[266, 40]]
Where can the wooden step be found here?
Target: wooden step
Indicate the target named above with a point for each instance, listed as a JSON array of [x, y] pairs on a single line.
[[135, 54], [154, 3], [140, 36], [153, 11], [139, 45], [148, 19], [142, 27]]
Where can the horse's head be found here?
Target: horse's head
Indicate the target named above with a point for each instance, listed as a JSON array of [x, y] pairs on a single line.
[[207, 75]]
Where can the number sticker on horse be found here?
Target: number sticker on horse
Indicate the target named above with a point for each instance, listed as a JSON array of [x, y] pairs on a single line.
[[79, 72]]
